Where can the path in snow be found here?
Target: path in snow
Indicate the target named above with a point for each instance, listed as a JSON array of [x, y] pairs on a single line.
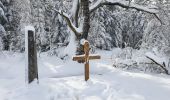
[[65, 81]]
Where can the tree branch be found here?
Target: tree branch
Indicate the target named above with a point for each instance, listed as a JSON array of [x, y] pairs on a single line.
[[69, 23], [161, 65], [125, 4], [2, 6], [3, 18], [75, 11]]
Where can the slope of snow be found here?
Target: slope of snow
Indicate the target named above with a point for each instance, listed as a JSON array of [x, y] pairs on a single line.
[[61, 80]]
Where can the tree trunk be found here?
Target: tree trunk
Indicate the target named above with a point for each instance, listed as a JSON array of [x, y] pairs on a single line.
[[86, 16], [86, 26]]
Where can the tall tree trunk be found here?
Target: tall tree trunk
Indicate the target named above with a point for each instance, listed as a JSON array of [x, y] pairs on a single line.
[[86, 16], [76, 16], [86, 24]]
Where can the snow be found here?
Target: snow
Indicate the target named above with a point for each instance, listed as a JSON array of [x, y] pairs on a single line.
[[82, 41], [59, 80], [1, 12], [74, 8], [70, 50], [0, 45], [96, 4], [29, 27]]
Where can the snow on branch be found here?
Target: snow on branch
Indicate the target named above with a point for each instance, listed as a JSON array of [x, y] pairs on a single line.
[[125, 4], [69, 22], [2, 15], [75, 11], [158, 61], [1, 5]]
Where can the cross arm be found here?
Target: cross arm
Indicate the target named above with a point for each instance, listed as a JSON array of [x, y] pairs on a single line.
[[82, 57], [79, 57], [94, 56]]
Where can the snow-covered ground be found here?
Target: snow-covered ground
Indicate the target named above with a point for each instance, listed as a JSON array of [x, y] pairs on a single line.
[[64, 80]]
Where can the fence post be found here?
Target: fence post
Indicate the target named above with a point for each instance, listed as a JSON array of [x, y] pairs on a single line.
[[31, 54]]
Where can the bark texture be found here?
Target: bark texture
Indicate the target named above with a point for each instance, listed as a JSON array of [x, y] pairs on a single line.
[[86, 16]]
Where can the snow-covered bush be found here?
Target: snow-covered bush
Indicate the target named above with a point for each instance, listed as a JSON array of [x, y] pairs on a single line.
[[138, 60]]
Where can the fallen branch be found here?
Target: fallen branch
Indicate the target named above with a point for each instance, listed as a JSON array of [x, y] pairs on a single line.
[[161, 65]]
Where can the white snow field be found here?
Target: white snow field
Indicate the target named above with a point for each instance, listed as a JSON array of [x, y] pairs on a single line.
[[64, 80]]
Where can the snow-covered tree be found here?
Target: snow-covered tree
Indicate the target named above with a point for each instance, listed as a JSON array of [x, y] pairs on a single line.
[[156, 34], [3, 20], [112, 23], [79, 21]]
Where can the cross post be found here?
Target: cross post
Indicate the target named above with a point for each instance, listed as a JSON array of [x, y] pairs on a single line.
[[86, 57]]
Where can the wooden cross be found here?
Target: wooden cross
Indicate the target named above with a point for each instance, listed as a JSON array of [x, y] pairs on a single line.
[[86, 57]]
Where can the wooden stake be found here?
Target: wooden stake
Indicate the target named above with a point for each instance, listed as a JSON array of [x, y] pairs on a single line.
[[32, 57], [86, 71]]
